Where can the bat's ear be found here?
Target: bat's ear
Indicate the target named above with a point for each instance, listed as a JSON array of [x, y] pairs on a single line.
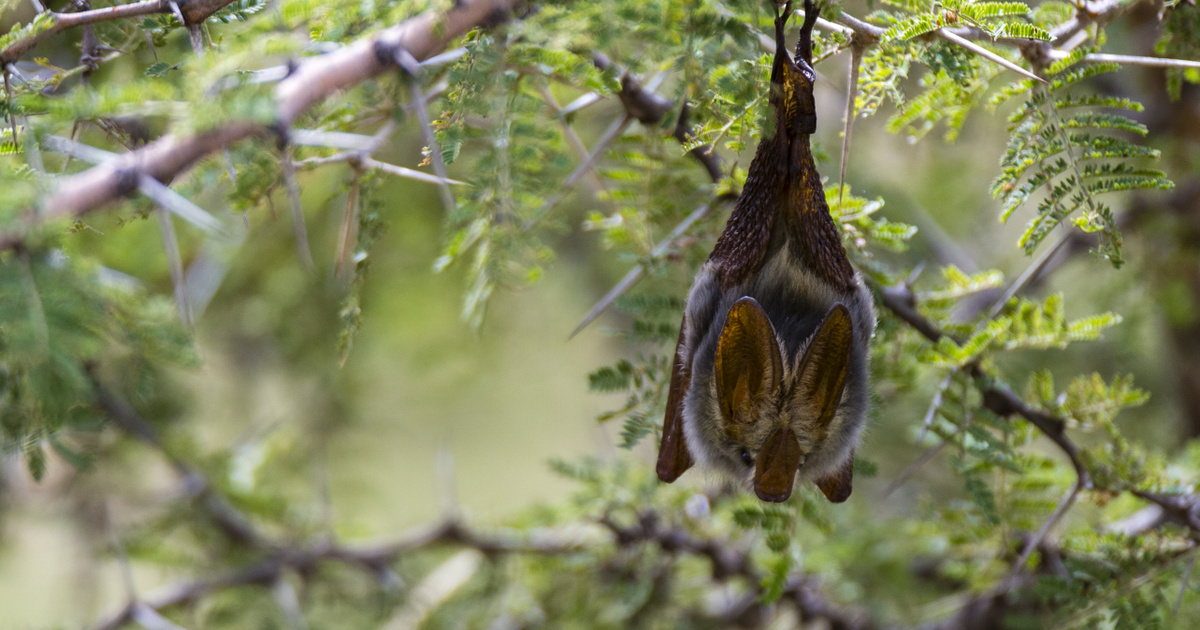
[[748, 365], [673, 455], [822, 373]]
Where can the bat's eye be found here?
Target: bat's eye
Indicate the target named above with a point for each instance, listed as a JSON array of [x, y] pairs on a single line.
[[747, 458]]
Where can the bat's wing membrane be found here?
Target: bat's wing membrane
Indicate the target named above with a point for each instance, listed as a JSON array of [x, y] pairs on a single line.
[[673, 455]]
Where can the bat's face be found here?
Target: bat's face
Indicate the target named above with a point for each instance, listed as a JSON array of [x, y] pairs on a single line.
[[762, 416]]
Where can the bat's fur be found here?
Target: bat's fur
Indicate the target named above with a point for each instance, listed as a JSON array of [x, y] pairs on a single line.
[[796, 301], [781, 248]]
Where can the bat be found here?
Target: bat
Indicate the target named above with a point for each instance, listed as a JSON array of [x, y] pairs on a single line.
[[769, 381]]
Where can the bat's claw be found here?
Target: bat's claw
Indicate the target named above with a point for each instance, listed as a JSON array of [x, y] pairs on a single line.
[[794, 76], [781, 18], [804, 46]]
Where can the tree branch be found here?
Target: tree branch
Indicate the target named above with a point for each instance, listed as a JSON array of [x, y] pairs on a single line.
[[193, 12], [313, 80], [231, 521], [373, 558], [732, 562]]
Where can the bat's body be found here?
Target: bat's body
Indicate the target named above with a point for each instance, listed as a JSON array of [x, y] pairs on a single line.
[[770, 372]]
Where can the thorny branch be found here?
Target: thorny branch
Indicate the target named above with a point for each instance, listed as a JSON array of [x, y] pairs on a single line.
[[318, 77], [311, 81], [235, 524], [375, 559], [731, 562], [727, 561], [1000, 400], [987, 610], [192, 12]]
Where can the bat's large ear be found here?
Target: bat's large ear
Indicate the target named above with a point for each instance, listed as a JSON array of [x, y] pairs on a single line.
[[747, 365], [822, 378], [822, 373], [673, 455]]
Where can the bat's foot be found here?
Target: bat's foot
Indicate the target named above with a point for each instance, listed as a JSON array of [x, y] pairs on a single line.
[[804, 46]]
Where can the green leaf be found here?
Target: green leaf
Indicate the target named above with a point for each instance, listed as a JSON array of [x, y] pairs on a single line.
[[983, 10], [983, 498], [914, 26], [159, 70], [35, 459], [778, 570]]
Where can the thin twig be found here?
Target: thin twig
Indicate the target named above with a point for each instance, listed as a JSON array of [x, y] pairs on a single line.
[[37, 310], [408, 173], [208, 268], [233, 523], [410, 65], [856, 52], [175, 266], [987, 54], [349, 227], [917, 465], [569, 132], [299, 230], [150, 619], [636, 272], [180, 206], [12, 117], [612, 133], [1026, 276], [197, 38], [444, 478], [1036, 540], [285, 596], [74, 149], [935, 404], [1183, 584], [1129, 60], [438, 586]]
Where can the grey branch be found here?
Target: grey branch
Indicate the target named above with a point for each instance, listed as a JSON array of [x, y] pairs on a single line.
[[233, 523], [191, 12], [313, 80], [374, 559]]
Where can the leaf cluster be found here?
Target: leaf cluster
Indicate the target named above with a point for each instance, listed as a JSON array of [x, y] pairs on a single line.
[[1067, 154]]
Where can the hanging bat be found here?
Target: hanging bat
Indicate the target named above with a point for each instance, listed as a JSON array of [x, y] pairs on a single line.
[[769, 379]]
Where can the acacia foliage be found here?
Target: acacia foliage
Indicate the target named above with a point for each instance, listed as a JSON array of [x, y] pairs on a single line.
[[504, 116]]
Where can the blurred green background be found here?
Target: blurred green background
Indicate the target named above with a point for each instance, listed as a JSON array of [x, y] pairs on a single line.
[[427, 413]]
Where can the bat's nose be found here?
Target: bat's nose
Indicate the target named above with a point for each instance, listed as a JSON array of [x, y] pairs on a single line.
[[777, 497], [776, 465]]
